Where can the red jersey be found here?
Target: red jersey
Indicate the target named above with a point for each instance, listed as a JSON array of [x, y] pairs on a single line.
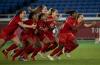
[[28, 33], [12, 26], [68, 25], [29, 22], [41, 25], [51, 24]]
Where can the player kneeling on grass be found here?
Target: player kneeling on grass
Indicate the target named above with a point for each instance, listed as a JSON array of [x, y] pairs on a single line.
[[67, 35]]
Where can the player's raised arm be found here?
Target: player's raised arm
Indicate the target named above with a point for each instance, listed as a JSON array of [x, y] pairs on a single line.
[[90, 25]]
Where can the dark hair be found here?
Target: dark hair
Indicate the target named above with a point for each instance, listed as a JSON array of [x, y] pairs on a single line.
[[19, 12], [78, 16], [40, 16], [51, 11], [31, 14], [71, 12]]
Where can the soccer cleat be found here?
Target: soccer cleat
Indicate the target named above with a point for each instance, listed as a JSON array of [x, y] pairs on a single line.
[[33, 59], [68, 55], [57, 57], [12, 52], [22, 59], [42, 55], [5, 53], [63, 50], [97, 41], [50, 57]]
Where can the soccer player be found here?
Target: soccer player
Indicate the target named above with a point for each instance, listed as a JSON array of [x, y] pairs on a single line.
[[8, 33], [41, 27], [28, 36], [67, 35], [62, 34], [51, 23]]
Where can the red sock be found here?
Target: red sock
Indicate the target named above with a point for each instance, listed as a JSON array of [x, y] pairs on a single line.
[[52, 46], [17, 54], [13, 46], [15, 50], [29, 49], [59, 53], [70, 46], [74, 46], [45, 46], [55, 51], [36, 50]]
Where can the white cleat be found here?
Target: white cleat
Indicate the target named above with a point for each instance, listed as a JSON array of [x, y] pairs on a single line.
[[50, 57], [97, 41], [42, 55], [12, 53], [63, 50], [68, 55], [21, 59], [58, 58]]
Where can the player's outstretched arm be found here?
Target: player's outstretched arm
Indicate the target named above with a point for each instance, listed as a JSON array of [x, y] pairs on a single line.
[[25, 25], [90, 25]]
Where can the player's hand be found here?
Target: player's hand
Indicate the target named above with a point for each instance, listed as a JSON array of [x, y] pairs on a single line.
[[93, 23], [52, 24], [34, 26], [45, 29]]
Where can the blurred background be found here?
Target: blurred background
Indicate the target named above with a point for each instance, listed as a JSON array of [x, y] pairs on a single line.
[[89, 8], [88, 52]]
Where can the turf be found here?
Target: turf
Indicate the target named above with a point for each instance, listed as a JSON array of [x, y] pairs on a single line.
[[87, 53]]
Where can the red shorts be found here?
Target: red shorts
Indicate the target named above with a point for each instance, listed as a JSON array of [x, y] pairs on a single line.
[[41, 36], [18, 32], [6, 36], [64, 37], [68, 40], [50, 35], [25, 37], [70, 46]]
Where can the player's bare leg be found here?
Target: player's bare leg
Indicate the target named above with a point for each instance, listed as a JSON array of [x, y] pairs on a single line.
[[12, 47]]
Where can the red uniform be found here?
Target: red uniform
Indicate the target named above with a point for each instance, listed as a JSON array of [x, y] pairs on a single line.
[[8, 31], [29, 38], [41, 25], [49, 34], [18, 32], [67, 34], [66, 37], [29, 33], [51, 25]]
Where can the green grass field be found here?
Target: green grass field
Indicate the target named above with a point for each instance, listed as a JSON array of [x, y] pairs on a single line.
[[87, 53]]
